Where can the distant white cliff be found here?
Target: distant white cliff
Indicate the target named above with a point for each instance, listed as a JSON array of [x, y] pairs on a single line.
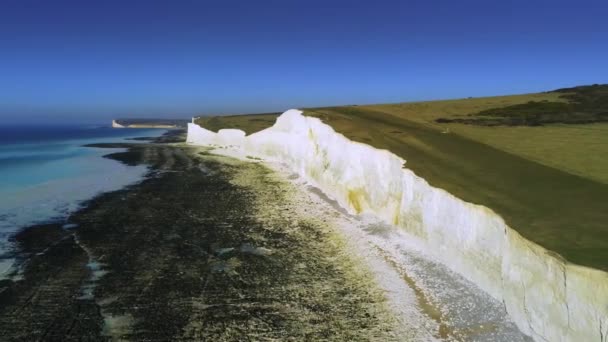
[[142, 124], [116, 124], [547, 297]]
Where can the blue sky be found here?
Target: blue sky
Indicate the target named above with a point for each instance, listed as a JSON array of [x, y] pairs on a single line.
[[92, 60]]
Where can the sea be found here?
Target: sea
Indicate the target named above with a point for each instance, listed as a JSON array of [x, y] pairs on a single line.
[[46, 173]]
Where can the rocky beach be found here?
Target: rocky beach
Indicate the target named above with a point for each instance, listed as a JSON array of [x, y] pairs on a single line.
[[204, 248]]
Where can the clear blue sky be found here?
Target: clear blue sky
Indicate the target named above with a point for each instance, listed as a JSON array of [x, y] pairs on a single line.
[[93, 60]]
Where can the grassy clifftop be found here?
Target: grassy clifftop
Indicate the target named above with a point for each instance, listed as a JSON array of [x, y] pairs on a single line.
[[549, 182], [560, 211], [577, 105]]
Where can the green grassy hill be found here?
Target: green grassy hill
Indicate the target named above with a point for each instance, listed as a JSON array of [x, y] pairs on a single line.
[[577, 105]]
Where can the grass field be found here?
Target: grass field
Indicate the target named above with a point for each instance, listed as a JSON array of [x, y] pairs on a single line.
[[576, 105], [577, 149], [581, 150], [429, 111], [548, 182]]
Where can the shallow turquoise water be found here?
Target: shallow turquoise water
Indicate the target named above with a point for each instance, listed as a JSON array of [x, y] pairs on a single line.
[[45, 173]]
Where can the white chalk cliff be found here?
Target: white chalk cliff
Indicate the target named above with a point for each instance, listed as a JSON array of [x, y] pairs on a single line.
[[547, 297], [115, 124]]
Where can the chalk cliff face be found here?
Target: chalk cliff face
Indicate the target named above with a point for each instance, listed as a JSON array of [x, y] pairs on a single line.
[[116, 124], [548, 298]]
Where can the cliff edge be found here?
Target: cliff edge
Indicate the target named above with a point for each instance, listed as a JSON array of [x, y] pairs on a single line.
[[548, 298]]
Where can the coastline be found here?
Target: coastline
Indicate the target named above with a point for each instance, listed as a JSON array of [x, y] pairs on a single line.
[[48, 174], [121, 149], [185, 254]]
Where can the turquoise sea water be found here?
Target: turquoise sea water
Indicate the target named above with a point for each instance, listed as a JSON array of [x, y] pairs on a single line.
[[45, 173]]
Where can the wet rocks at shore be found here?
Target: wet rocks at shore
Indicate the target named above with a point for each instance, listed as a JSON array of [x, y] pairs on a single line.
[[185, 255]]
